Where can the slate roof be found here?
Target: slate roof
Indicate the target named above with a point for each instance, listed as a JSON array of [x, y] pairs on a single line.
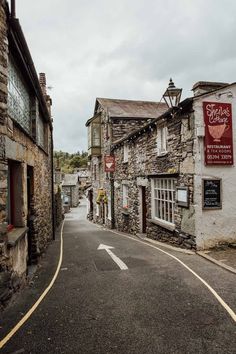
[[70, 179], [83, 174], [131, 109]]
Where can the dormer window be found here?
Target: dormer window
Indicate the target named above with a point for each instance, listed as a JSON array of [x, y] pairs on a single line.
[[126, 153], [162, 141]]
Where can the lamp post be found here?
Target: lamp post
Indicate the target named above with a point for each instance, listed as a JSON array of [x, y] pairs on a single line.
[[172, 95]]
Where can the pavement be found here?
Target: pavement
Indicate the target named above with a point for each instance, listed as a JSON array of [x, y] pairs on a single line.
[[224, 255]]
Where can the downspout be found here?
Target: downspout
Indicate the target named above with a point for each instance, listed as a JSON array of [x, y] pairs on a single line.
[[112, 195], [112, 201]]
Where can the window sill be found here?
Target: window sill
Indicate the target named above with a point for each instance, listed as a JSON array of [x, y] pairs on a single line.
[[15, 235], [163, 154], [163, 223]]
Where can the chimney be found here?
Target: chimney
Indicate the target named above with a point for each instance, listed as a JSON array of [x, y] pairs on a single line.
[[13, 9], [207, 86], [42, 81]]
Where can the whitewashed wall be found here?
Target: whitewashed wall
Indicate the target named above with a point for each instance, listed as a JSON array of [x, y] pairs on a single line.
[[215, 226]]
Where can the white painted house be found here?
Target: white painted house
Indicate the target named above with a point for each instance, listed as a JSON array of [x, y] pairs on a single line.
[[213, 226]]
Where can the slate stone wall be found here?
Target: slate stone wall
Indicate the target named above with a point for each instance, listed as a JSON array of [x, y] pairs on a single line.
[[58, 206], [16, 145], [144, 163], [112, 129]]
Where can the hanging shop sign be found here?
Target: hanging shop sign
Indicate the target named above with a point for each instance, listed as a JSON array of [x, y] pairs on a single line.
[[211, 192], [101, 194], [218, 142], [109, 163]]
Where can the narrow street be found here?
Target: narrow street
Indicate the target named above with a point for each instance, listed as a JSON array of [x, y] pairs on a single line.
[[97, 305]]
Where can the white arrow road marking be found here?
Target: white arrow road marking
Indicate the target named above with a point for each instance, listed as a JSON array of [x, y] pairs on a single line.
[[117, 260]]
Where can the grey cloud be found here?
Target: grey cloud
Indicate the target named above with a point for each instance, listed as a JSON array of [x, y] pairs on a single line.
[[124, 49]]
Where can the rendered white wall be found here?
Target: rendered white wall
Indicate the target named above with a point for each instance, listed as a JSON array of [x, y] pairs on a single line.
[[215, 226]]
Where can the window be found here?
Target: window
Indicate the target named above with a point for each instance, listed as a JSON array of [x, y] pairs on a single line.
[[163, 199], [14, 194], [126, 153], [162, 141], [125, 200], [96, 134], [41, 133], [18, 98]]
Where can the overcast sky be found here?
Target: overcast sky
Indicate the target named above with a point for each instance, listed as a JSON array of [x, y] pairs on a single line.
[[125, 49]]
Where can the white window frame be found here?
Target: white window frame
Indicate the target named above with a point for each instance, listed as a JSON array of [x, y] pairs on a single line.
[[163, 200], [126, 152], [162, 134], [125, 196]]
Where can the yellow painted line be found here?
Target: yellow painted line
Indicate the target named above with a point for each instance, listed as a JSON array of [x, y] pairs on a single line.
[[218, 297], [33, 308]]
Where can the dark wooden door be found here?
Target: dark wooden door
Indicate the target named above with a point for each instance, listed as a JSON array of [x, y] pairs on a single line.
[[144, 211], [30, 196]]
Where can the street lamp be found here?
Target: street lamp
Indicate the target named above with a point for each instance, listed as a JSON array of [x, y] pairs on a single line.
[[172, 95]]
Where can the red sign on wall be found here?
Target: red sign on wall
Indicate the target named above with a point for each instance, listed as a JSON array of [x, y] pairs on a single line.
[[109, 163], [218, 143]]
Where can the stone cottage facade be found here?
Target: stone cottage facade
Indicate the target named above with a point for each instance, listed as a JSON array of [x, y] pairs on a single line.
[[26, 180], [174, 177], [70, 188], [112, 120]]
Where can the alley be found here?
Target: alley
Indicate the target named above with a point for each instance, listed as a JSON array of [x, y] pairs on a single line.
[[153, 305]]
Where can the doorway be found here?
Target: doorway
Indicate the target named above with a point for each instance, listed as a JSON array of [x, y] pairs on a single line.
[[30, 197], [143, 210]]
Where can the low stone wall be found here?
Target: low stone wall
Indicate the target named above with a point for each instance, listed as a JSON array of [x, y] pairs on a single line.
[[13, 268], [176, 237]]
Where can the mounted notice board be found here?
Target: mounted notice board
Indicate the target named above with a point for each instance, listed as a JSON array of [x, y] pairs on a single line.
[[211, 192]]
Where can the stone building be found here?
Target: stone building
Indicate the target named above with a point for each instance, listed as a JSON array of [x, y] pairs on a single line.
[[174, 177], [70, 188], [171, 186], [112, 120], [84, 177], [26, 180]]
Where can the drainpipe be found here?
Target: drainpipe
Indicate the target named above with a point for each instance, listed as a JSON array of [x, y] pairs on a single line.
[[112, 196], [112, 201]]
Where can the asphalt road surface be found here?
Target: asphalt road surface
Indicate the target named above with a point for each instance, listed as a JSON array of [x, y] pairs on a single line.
[[131, 298]]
